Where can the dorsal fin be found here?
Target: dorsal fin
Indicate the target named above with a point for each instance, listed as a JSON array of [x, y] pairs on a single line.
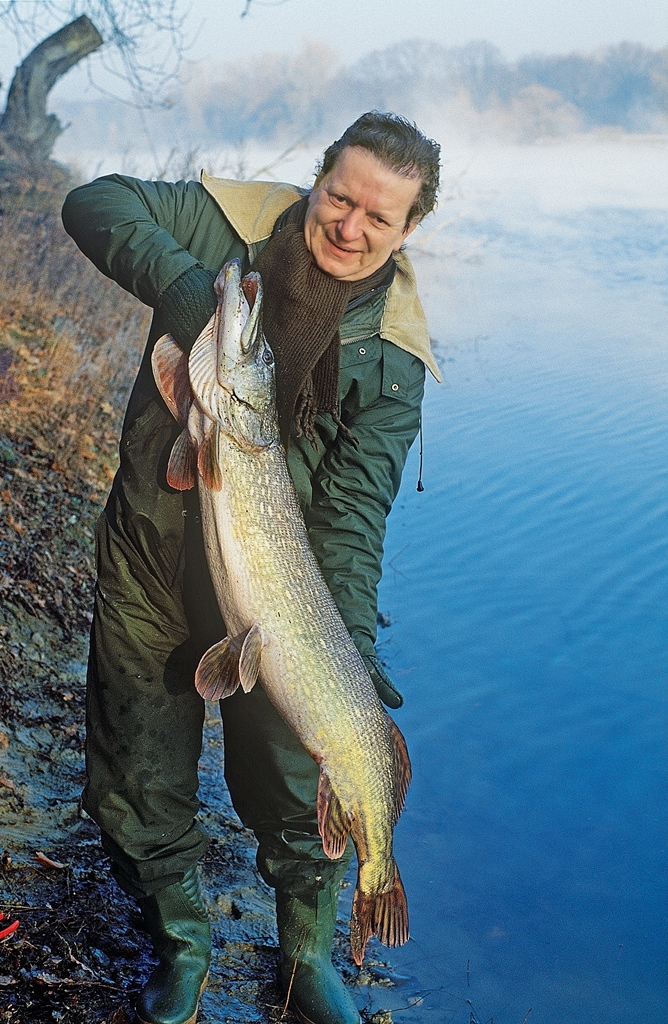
[[170, 370], [402, 767], [333, 822]]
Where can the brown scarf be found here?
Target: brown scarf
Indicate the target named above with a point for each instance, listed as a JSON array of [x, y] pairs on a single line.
[[302, 311]]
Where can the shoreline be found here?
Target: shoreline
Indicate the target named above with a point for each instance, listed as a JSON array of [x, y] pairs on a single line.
[[79, 954]]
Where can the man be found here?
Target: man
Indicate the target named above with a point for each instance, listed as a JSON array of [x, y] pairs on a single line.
[[345, 323]]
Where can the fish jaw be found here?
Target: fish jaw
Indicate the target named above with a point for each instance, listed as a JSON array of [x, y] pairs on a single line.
[[231, 366], [233, 311]]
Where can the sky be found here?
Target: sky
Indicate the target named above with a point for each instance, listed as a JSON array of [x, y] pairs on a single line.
[[355, 27]]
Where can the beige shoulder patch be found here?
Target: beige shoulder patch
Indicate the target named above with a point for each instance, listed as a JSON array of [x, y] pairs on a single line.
[[251, 206], [404, 322]]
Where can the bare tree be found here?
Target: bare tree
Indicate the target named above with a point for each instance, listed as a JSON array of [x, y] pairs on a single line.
[[140, 43], [144, 39], [26, 130]]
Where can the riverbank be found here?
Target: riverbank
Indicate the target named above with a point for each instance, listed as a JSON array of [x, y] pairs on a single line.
[[69, 346]]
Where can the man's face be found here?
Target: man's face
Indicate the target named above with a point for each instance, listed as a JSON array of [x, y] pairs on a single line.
[[357, 215]]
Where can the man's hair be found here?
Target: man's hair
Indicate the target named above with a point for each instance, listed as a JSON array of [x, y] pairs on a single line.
[[401, 146]]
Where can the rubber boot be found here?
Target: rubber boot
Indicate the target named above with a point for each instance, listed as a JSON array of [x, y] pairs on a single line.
[[178, 924], [305, 934]]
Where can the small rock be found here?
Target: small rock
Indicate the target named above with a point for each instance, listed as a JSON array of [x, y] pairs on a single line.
[[224, 904]]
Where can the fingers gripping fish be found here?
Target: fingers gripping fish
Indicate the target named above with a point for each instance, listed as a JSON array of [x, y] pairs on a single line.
[[283, 626]]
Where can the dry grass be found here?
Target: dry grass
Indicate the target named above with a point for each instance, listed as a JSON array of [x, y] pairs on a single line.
[[70, 344], [74, 341]]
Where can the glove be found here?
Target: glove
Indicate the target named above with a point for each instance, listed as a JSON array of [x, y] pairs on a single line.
[[385, 688], [186, 306]]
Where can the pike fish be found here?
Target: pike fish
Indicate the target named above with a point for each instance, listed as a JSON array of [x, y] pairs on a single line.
[[283, 626]]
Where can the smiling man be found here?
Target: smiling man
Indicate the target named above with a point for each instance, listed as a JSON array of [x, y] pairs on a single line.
[[347, 329], [357, 214]]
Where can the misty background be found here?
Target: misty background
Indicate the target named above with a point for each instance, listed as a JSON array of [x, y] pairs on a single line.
[[467, 94]]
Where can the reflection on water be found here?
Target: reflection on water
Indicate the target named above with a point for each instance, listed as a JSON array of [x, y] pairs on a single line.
[[528, 589]]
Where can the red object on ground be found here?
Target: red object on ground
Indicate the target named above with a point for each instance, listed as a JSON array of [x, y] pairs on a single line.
[[4, 932]]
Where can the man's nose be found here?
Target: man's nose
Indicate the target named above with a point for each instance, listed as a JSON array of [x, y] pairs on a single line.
[[350, 226]]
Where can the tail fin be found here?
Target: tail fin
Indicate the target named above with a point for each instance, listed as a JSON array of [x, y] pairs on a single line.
[[383, 914]]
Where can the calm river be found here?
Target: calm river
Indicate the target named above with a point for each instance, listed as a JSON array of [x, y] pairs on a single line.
[[528, 593]]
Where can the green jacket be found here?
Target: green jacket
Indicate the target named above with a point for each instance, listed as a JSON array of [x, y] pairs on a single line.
[[145, 235]]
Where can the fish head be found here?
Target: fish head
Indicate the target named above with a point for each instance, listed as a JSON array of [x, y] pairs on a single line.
[[231, 366]]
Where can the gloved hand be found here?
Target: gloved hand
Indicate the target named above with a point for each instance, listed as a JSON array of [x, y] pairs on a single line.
[[385, 688], [186, 306]]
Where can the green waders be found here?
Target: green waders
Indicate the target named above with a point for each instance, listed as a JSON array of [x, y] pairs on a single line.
[[155, 614], [178, 923]]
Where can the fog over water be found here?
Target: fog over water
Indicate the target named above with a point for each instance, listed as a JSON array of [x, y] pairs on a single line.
[[470, 94]]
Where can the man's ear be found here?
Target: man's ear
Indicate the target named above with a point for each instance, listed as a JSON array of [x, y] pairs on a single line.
[[408, 230]]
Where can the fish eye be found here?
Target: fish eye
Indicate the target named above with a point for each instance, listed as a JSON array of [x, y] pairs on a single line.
[[268, 356]]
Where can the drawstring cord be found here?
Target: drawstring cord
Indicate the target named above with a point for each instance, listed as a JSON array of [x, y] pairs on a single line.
[[420, 485]]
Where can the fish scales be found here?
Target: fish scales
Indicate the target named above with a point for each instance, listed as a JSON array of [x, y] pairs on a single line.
[[267, 545], [283, 625]]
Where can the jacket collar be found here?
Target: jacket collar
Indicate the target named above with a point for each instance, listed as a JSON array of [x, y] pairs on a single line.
[[251, 207]]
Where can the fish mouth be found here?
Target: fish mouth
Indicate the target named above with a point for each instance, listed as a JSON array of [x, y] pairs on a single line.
[[250, 285], [239, 307]]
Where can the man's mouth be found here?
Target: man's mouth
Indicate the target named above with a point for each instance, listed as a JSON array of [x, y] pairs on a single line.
[[340, 248]]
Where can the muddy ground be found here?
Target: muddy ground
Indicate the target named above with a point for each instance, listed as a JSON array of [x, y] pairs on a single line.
[[79, 954]]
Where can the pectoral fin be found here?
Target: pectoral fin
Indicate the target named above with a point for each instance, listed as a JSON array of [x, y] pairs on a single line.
[[207, 461], [170, 370], [333, 822]]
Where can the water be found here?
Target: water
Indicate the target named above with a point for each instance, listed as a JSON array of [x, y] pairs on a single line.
[[528, 588]]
